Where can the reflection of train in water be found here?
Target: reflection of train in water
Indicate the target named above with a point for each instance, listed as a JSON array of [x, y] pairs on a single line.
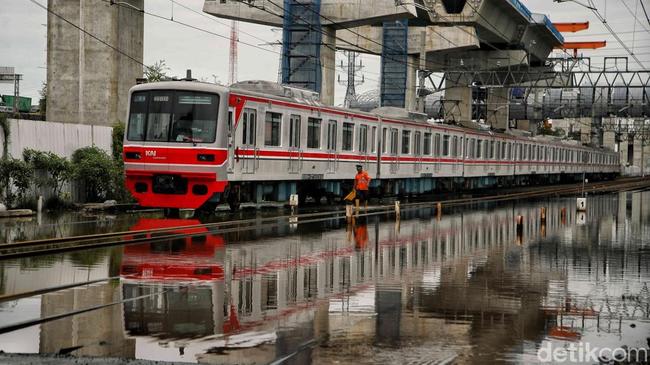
[[264, 280], [190, 256], [188, 143], [184, 264]]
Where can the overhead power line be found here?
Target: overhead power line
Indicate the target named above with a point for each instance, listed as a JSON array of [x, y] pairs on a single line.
[[226, 37]]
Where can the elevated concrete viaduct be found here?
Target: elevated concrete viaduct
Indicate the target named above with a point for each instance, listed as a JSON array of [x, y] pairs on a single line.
[[472, 34]]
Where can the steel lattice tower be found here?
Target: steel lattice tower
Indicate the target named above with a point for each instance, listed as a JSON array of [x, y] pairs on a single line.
[[352, 68], [232, 65]]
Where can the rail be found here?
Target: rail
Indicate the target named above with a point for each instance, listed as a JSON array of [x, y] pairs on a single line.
[[48, 246]]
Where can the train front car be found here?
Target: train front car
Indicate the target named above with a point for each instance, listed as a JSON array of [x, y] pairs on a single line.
[[175, 145]]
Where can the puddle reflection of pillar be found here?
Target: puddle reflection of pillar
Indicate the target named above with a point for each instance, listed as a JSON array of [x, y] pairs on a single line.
[[322, 321], [257, 297], [622, 207], [388, 303], [520, 229], [636, 212], [218, 287]]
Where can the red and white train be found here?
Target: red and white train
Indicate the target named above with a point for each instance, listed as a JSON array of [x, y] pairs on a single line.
[[187, 143]]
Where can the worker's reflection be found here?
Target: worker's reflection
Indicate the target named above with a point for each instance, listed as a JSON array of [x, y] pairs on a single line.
[[360, 229]]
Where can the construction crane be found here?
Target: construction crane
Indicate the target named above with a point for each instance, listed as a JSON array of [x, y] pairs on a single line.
[[575, 46], [232, 65]]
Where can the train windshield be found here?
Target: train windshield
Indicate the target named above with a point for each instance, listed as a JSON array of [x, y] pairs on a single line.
[[173, 116]]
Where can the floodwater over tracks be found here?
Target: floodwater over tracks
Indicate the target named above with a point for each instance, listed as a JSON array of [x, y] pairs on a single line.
[[469, 286]]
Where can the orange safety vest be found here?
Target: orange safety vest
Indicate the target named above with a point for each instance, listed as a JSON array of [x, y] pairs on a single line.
[[361, 181]]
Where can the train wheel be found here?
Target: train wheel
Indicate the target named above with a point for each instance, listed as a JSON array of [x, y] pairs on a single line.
[[172, 212]]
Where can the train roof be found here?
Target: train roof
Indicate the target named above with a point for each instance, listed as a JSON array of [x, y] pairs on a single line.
[[279, 92], [181, 85]]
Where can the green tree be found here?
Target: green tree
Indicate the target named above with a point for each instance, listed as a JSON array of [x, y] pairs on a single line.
[[57, 170], [4, 125], [118, 140], [156, 72], [96, 170], [16, 174], [119, 193]]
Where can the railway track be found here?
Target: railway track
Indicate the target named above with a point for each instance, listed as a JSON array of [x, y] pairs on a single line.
[[48, 246]]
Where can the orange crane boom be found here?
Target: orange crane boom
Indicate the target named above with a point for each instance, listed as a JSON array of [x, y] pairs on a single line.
[[571, 27], [575, 46]]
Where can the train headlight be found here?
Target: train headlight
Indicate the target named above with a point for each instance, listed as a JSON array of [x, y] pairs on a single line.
[[133, 155], [205, 158]]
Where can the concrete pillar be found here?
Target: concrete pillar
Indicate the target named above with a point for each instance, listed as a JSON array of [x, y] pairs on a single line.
[[585, 130], [87, 81], [328, 65], [458, 103], [622, 149], [498, 111], [609, 140], [410, 102], [636, 159]]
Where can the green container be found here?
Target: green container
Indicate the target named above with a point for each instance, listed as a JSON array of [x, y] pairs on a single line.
[[24, 104]]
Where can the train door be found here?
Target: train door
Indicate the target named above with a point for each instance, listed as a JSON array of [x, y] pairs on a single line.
[[362, 145], [417, 152], [436, 152], [332, 156], [295, 151], [248, 151], [394, 144], [231, 140]]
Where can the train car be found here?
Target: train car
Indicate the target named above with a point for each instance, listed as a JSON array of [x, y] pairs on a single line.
[[193, 145]]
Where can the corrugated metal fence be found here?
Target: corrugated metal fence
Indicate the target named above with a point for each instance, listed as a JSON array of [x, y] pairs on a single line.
[[60, 138]]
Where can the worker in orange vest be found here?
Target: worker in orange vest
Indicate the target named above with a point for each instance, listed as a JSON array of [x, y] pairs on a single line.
[[361, 184]]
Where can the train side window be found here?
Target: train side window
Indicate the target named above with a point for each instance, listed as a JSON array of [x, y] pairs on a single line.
[[384, 140], [497, 151], [436, 145], [417, 144], [479, 148], [348, 134], [373, 140], [469, 149], [272, 125], [445, 145], [492, 143], [362, 143], [137, 116], [294, 131], [313, 133], [460, 147], [331, 135], [394, 135], [427, 144], [504, 148], [249, 128], [406, 142]]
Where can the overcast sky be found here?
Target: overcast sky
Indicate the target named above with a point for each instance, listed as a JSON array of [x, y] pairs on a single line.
[[23, 40]]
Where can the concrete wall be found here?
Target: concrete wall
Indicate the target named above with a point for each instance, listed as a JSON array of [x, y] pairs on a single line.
[[87, 81], [60, 138]]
